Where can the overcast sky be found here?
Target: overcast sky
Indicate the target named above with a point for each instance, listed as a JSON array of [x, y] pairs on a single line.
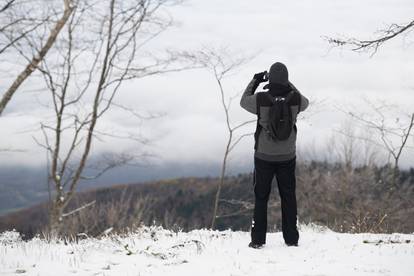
[[287, 31]]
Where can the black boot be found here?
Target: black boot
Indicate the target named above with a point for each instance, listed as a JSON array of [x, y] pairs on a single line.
[[256, 245]]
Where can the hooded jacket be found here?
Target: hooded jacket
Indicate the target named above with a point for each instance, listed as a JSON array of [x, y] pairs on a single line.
[[268, 149]]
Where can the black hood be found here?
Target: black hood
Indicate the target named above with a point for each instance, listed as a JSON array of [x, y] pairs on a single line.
[[278, 73], [276, 89], [278, 80]]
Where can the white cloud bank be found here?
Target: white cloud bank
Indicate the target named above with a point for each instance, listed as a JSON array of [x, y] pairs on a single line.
[[287, 31]]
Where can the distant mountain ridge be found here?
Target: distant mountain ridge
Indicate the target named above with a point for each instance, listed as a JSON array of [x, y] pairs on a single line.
[[178, 202], [22, 186], [357, 200]]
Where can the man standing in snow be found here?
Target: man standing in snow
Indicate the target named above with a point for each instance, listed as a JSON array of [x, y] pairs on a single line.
[[275, 149]]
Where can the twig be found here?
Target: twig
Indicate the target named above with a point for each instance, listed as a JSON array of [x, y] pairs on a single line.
[[79, 209], [358, 45]]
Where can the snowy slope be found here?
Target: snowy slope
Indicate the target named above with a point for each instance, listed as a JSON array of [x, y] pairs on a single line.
[[155, 251]]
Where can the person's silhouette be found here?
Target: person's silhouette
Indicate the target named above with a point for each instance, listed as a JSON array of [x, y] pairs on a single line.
[[273, 157]]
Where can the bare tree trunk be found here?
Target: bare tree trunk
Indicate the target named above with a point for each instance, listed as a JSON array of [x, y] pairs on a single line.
[[404, 138], [113, 63], [55, 219], [220, 63], [31, 67], [62, 201], [220, 184]]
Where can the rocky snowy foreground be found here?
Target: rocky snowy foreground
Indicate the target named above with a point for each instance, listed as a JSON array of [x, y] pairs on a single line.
[[155, 251]]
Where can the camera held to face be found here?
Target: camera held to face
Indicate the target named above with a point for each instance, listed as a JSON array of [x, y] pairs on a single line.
[[262, 76]]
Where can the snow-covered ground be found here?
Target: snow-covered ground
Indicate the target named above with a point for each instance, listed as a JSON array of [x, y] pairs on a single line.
[[155, 251]]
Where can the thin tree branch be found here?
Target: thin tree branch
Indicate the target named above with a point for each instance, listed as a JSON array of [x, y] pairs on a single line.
[[79, 209], [358, 45], [38, 57]]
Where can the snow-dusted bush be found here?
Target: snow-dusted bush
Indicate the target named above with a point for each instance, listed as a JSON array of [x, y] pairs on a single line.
[[10, 237]]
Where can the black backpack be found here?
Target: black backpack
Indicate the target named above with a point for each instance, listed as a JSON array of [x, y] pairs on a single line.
[[280, 117]]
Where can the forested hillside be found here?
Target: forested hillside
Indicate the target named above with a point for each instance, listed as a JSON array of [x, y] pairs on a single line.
[[345, 199]]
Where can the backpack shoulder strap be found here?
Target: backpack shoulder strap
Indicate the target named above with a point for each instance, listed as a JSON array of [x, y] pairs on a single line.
[[260, 100], [270, 97], [258, 126], [297, 99], [289, 96]]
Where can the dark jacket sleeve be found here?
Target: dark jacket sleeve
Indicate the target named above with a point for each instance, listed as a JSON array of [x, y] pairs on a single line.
[[299, 99], [248, 99]]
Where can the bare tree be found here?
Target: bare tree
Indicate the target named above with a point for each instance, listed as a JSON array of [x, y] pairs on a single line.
[[352, 146], [360, 199], [221, 63], [96, 55], [383, 36], [39, 54], [389, 131], [392, 128]]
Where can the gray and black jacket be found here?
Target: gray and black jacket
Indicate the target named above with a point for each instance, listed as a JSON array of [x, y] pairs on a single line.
[[265, 147]]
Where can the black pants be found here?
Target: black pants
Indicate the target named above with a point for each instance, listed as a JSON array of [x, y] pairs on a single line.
[[264, 171]]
